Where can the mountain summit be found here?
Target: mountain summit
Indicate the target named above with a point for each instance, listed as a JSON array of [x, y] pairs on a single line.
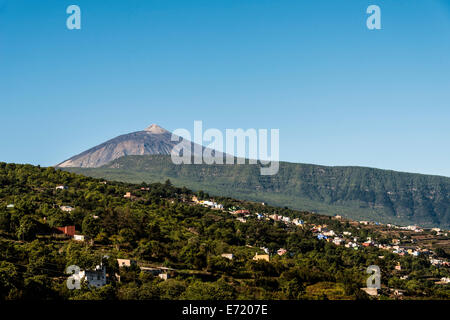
[[154, 128], [153, 140]]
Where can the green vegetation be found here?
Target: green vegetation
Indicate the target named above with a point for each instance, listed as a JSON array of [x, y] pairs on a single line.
[[356, 192], [159, 226]]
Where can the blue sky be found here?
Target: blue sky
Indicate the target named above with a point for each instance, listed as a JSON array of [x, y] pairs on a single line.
[[339, 93]]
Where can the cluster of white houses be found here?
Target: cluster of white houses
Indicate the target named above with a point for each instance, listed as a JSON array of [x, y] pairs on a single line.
[[207, 203], [322, 232]]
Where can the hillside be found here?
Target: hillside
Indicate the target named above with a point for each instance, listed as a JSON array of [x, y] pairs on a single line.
[[160, 228], [355, 192]]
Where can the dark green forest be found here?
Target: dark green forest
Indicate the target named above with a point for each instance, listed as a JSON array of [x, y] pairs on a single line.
[[159, 226], [356, 192]]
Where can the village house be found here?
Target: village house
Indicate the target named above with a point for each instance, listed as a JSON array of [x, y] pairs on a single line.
[[274, 217], [436, 262], [367, 244], [241, 220], [67, 208], [78, 237], [127, 195], [445, 280], [352, 245], [329, 233], [211, 204], [370, 291], [125, 262], [67, 230], [321, 237], [298, 222], [62, 188], [207, 203], [241, 212], [10, 206], [164, 276], [281, 251], [264, 257], [398, 267], [228, 256], [338, 241], [94, 278]]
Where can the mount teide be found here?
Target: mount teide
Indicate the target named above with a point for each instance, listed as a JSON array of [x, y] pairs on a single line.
[[153, 140], [355, 192]]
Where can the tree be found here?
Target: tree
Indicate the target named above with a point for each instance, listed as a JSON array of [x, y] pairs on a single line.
[[90, 226], [28, 228], [9, 279]]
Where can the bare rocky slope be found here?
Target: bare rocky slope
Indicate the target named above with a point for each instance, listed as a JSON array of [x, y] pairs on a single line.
[[152, 141]]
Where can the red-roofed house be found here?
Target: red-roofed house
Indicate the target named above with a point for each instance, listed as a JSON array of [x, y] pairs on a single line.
[[69, 230]]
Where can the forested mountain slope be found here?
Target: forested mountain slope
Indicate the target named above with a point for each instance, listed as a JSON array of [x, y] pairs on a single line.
[[355, 192]]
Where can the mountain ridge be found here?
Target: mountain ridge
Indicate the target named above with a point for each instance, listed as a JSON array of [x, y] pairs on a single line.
[[356, 192], [353, 191]]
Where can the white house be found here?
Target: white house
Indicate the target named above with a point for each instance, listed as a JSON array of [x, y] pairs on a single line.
[[67, 208], [329, 233], [445, 280], [94, 278], [78, 237], [228, 256], [62, 188], [164, 276]]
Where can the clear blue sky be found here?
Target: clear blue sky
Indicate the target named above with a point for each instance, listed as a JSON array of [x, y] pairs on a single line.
[[339, 93]]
